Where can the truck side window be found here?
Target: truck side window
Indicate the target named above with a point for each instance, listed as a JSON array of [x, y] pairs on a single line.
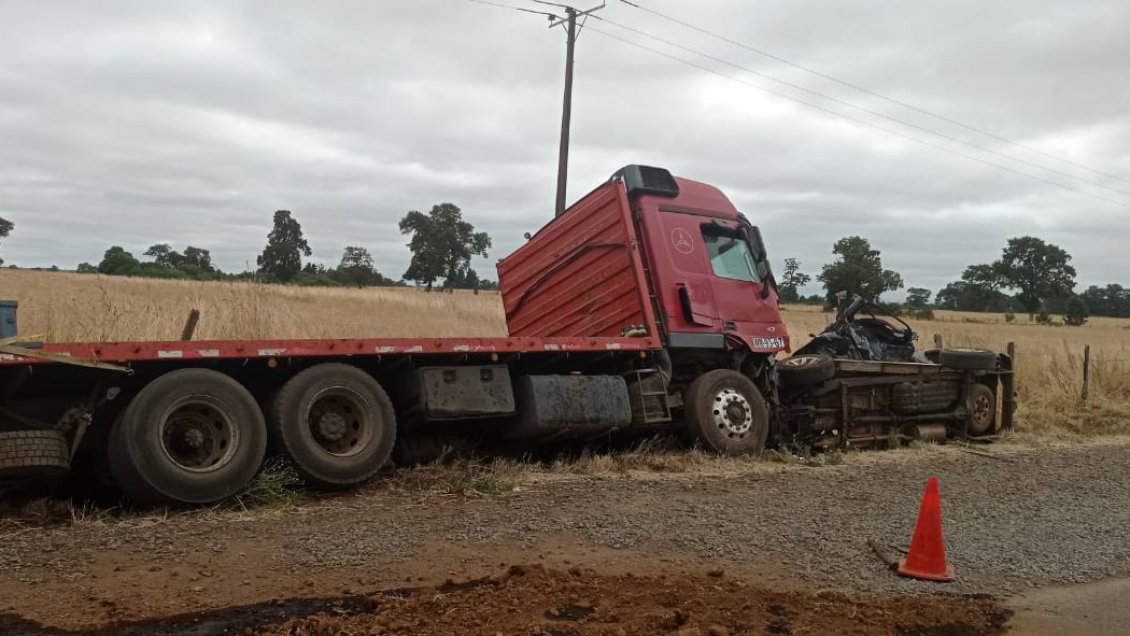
[[730, 256]]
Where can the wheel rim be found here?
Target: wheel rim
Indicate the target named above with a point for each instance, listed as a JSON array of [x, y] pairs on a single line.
[[733, 414], [198, 434], [340, 421], [981, 411], [801, 362]]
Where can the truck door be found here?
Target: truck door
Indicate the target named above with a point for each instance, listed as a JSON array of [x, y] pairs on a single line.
[[738, 288], [676, 258]]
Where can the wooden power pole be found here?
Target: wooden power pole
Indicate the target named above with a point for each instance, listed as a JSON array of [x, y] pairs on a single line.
[[571, 31]]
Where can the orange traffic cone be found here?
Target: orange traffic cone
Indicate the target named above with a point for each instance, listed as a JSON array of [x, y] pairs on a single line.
[[927, 557]]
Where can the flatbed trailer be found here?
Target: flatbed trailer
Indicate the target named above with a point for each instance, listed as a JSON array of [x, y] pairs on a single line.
[[648, 305]]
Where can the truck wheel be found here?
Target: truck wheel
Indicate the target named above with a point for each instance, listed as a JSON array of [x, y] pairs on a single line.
[[335, 423], [982, 410], [968, 359], [192, 436], [33, 456], [726, 414], [806, 370]]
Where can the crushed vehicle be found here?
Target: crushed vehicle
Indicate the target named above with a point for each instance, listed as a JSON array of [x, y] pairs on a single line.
[[862, 382]]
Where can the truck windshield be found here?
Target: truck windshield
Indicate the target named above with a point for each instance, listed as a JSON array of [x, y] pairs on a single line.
[[730, 255]]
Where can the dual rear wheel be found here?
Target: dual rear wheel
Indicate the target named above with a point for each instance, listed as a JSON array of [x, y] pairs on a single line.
[[197, 436]]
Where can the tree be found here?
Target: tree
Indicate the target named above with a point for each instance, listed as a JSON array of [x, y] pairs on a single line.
[[282, 257], [986, 277], [917, 297], [857, 270], [465, 278], [1075, 315], [1038, 270], [164, 255], [199, 258], [1112, 300], [315, 275], [356, 268], [442, 244], [788, 290], [978, 290], [86, 268], [118, 262], [6, 228]]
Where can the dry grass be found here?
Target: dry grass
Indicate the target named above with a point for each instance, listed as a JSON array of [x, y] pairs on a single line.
[[64, 307], [67, 307]]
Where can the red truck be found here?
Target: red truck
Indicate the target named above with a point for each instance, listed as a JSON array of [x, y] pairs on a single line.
[[648, 305]]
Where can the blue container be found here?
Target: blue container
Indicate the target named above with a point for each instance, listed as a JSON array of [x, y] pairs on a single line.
[[8, 318]]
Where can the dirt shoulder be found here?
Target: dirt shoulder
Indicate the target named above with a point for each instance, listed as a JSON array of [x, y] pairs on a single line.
[[1028, 517]]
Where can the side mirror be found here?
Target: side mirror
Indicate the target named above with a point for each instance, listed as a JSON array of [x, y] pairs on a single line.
[[760, 258]]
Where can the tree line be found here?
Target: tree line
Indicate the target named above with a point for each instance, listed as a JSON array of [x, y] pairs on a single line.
[[1031, 276], [441, 242]]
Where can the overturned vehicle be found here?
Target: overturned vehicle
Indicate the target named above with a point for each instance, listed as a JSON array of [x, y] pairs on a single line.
[[861, 382]]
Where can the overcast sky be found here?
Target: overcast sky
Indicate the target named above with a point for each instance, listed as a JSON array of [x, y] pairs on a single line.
[[144, 122]]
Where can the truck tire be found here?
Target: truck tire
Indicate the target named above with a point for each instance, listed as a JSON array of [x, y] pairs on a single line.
[[968, 359], [192, 436], [334, 423], [806, 370], [33, 456], [981, 406], [726, 414]]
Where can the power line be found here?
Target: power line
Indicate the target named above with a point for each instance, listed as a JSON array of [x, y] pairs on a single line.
[[510, 6], [864, 109], [872, 93], [855, 120], [824, 109], [569, 22]]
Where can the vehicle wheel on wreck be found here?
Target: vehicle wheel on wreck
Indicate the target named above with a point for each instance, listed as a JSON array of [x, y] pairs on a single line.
[[981, 408], [968, 359], [726, 413], [806, 370], [38, 456]]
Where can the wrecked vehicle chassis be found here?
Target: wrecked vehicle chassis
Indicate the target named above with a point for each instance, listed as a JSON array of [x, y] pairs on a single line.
[[869, 403]]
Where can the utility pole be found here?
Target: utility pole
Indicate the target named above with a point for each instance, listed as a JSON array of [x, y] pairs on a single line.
[[566, 111], [571, 33]]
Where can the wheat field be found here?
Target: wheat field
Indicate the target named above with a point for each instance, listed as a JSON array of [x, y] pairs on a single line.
[[58, 306]]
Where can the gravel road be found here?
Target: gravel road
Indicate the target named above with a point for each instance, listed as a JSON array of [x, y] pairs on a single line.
[[1035, 517], [1032, 517]]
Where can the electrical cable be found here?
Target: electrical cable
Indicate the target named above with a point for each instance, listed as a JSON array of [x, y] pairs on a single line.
[[864, 109], [855, 119], [870, 92]]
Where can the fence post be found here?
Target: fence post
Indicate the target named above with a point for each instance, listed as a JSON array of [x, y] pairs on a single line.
[[1008, 387], [938, 341], [190, 325], [1086, 370]]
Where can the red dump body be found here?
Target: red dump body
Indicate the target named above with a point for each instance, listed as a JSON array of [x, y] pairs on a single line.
[[581, 275]]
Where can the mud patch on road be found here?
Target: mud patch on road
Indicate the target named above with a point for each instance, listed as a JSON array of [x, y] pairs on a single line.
[[538, 600], [230, 620]]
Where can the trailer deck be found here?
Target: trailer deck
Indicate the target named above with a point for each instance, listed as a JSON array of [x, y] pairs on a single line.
[[146, 351]]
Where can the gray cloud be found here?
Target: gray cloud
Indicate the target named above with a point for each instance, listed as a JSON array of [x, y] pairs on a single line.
[[134, 123]]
